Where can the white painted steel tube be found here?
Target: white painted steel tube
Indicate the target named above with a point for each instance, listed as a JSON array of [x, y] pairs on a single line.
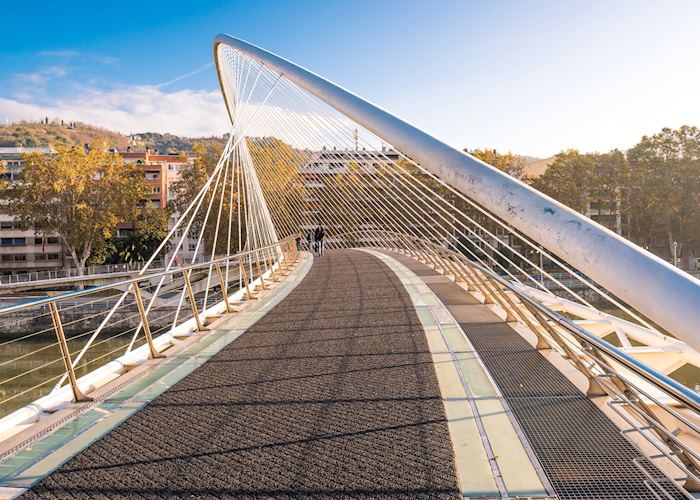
[[660, 291]]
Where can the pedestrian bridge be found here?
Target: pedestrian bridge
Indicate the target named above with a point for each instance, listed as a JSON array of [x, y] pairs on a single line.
[[420, 356]]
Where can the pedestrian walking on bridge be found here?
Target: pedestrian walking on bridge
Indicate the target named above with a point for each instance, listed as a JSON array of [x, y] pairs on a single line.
[[319, 234]]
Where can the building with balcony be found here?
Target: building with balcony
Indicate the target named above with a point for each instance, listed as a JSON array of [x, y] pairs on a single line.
[[23, 250], [161, 171]]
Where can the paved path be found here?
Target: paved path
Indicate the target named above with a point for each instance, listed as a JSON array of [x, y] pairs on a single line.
[[332, 394]]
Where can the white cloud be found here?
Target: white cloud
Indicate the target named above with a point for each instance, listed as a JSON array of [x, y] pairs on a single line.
[[127, 109], [42, 76]]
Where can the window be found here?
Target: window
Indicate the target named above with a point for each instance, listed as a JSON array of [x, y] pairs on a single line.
[[53, 240], [6, 176], [156, 190], [5, 241], [152, 176], [52, 256], [19, 241], [156, 203], [6, 224], [40, 256], [15, 258], [192, 247], [38, 241]]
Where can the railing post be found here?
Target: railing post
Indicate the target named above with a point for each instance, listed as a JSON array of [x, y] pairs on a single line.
[[504, 301], [224, 288], [284, 264], [269, 257], [294, 252], [447, 259], [190, 295], [260, 274], [595, 389], [249, 295], [484, 289], [144, 320], [78, 395]]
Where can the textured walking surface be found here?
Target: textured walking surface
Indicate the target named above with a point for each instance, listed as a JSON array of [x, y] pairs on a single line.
[[331, 394], [583, 454]]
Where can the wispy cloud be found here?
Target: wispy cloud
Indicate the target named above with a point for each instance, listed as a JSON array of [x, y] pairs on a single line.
[[41, 76], [186, 75]]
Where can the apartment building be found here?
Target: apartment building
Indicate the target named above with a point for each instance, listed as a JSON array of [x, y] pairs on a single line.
[[161, 171], [23, 250], [326, 163]]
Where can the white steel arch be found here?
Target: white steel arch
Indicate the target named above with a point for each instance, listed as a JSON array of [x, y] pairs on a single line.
[[660, 291]]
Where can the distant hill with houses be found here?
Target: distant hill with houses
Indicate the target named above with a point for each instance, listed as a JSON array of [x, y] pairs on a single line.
[[43, 134]]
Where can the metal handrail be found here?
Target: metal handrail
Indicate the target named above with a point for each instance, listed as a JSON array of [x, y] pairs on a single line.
[[264, 259], [27, 278], [600, 361], [129, 281]]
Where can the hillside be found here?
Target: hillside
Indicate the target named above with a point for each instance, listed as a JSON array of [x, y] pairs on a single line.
[[34, 134], [40, 134], [168, 143]]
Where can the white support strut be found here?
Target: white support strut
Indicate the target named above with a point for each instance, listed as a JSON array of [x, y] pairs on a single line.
[[660, 291]]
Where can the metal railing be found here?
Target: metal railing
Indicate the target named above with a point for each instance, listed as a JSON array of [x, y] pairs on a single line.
[[61, 348], [29, 277]]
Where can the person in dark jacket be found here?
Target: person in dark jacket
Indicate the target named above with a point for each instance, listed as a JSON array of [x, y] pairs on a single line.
[[309, 239], [319, 234]]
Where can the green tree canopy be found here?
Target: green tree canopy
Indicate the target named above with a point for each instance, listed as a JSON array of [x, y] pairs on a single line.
[[664, 186], [149, 229]]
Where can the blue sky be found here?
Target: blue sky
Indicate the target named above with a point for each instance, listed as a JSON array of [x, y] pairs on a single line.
[[533, 77]]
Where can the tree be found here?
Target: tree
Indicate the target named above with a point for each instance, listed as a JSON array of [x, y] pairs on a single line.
[[148, 230], [512, 164], [568, 179], [587, 182], [664, 190], [81, 195], [278, 165], [193, 176]]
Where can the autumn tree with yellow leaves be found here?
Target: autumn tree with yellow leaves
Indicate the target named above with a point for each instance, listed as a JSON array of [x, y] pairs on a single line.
[[80, 194]]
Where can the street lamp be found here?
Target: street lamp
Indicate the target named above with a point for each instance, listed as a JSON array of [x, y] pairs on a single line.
[[675, 253]]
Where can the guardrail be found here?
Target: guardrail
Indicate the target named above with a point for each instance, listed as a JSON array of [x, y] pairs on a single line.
[[662, 411], [75, 338], [75, 273]]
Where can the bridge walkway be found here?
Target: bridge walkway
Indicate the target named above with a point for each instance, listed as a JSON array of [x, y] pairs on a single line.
[[332, 393], [339, 391], [580, 450]]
